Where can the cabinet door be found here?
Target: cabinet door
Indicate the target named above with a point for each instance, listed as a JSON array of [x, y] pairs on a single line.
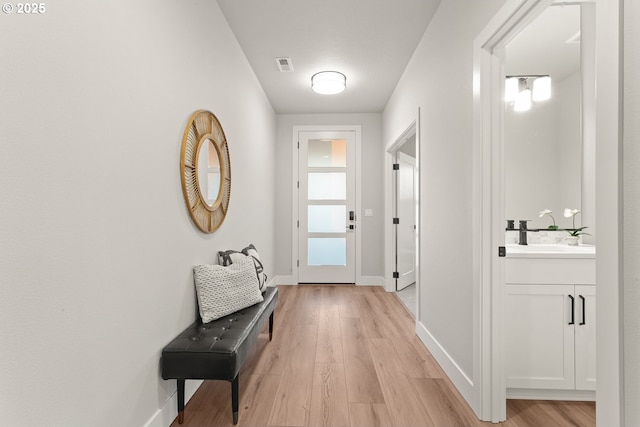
[[539, 338], [585, 338]]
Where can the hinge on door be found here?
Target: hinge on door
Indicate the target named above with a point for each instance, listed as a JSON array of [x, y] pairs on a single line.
[[298, 263], [298, 223], [298, 184], [396, 166], [396, 275], [396, 220], [298, 145]]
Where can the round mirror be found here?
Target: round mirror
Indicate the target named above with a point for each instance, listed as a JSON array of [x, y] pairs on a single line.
[[205, 170], [209, 171]]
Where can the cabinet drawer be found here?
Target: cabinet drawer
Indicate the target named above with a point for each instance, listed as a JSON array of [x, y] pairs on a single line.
[[563, 271]]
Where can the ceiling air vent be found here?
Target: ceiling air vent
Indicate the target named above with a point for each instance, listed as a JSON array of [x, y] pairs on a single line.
[[284, 65]]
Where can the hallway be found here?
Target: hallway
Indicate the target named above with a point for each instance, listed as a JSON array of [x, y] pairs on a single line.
[[348, 356]]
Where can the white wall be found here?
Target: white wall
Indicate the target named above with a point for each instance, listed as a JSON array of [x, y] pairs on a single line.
[[438, 79], [371, 228], [97, 245], [631, 208]]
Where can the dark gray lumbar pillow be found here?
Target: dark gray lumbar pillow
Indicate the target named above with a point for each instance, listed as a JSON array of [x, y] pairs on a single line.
[[226, 258]]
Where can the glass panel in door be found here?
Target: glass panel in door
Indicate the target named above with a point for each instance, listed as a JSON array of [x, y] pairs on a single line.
[[327, 218]]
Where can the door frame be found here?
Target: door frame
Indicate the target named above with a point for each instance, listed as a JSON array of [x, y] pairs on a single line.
[[398, 155], [488, 305], [389, 200], [357, 129], [488, 207]]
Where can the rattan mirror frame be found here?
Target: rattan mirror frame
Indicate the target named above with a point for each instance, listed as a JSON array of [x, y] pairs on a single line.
[[203, 125]]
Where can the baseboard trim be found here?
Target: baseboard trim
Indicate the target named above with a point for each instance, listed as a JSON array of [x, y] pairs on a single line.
[[370, 281], [283, 280], [457, 376], [539, 394], [272, 283], [169, 411], [360, 281]]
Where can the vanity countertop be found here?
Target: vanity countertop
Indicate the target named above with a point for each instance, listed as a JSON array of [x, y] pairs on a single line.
[[550, 251]]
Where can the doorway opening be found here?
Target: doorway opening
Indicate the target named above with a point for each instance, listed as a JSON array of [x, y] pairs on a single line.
[[490, 301], [403, 214], [404, 222]]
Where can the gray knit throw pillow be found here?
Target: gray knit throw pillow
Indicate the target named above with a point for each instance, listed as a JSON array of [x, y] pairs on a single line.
[[225, 290]]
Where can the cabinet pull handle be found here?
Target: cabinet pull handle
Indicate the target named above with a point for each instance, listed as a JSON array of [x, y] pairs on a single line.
[[573, 309], [584, 315]]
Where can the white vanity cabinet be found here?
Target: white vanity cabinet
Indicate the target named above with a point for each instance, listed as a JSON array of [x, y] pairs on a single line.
[[585, 339], [550, 336], [550, 329]]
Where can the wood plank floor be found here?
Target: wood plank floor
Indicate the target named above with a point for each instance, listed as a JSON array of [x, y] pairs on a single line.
[[348, 356]]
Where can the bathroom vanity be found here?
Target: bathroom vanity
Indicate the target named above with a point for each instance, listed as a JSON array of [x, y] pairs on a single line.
[[550, 330]]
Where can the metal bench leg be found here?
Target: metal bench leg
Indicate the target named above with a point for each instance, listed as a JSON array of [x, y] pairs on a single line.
[[180, 401], [234, 399], [271, 326]]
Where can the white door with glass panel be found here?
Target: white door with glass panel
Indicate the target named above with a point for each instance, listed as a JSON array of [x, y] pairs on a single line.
[[326, 210]]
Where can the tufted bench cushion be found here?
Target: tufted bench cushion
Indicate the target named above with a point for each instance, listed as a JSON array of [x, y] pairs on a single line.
[[217, 350]]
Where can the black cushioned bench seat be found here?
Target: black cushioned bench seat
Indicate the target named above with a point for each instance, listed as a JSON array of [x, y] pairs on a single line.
[[217, 350]]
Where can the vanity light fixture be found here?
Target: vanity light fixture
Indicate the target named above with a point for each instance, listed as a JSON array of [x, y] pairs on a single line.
[[522, 90], [541, 89], [523, 101], [511, 89], [328, 82]]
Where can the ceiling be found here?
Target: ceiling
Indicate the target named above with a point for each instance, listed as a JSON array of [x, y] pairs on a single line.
[[370, 41], [542, 48]]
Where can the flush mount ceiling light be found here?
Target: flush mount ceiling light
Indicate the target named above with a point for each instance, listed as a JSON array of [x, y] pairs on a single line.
[[521, 90], [328, 82]]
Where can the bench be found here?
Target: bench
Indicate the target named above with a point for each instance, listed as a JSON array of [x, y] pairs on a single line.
[[217, 350]]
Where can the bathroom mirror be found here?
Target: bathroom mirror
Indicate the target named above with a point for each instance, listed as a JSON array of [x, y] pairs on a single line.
[[205, 170], [543, 145]]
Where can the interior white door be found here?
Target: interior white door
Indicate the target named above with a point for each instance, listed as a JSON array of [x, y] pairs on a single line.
[[326, 210], [406, 227]]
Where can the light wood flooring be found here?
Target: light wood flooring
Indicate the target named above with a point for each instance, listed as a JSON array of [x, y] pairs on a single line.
[[348, 356]]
